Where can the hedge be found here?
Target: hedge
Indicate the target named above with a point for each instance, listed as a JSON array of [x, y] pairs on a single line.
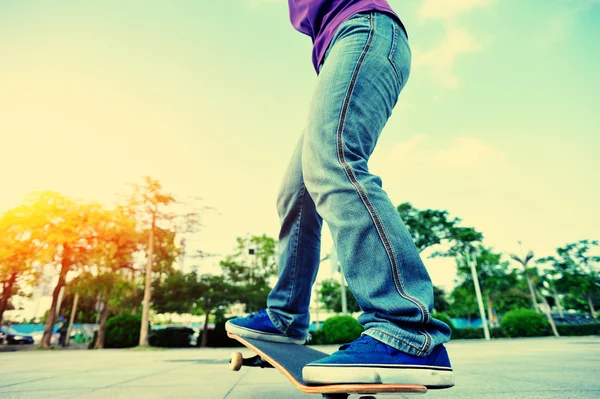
[[217, 337], [121, 331], [565, 330], [344, 329], [524, 323], [578, 329], [477, 333], [341, 329], [172, 337]]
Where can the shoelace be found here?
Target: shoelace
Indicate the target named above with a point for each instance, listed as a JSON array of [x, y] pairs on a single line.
[[360, 342], [364, 343]]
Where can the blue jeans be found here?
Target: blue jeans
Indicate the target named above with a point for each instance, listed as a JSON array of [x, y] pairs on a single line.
[[365, 68]]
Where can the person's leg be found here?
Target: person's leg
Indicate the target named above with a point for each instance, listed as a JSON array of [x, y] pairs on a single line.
[[299, 245], [358, 86], [299, 251]]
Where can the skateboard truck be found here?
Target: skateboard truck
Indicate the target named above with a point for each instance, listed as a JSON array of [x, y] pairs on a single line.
[[237, 361]]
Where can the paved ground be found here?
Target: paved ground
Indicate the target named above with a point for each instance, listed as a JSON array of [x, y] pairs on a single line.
[[525, 368]]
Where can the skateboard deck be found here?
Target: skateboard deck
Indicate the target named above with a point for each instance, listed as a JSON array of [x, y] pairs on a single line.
[[289, 359]]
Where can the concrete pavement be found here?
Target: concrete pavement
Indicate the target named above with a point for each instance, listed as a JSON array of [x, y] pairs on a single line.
[[521, 368]]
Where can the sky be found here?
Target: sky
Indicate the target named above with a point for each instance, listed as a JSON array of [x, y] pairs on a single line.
[[499, 123]]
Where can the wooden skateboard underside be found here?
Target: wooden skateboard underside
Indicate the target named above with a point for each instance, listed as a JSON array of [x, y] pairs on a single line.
[[290, 358]]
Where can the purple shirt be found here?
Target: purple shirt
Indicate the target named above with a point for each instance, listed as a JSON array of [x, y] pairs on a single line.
[[320, 19]]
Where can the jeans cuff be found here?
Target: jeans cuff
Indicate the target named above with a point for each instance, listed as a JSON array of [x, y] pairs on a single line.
[[399, 339], [285, 330]]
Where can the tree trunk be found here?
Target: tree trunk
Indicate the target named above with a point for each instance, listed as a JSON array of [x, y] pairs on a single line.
[[204, 341], [102, 327], [49, 327], [148, 288], [548, 314], [531, 292], [591, 305], [7, 288], [72, 317]]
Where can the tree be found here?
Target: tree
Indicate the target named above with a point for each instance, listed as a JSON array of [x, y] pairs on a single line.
[[111, 259], [178, 293], [85, 312], [66, 229], [538, 285], [331, 297], [251, 268], [463, 301], [494, 278], [524, 260], [151, 205], [17, 256], [577, 271], [156, 211], [431, 227], [440, 303], [216, 294]]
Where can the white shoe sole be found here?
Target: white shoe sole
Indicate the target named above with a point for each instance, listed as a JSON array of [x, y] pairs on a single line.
[[386, 374], [263, 336]]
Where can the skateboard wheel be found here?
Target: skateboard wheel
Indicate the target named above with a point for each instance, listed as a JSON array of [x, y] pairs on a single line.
[[235, 363]]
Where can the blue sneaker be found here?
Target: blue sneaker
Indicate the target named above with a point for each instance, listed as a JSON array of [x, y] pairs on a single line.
[[259, 326], [368, 361]]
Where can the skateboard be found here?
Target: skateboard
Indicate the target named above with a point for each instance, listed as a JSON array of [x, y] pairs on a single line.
[[289, 359]]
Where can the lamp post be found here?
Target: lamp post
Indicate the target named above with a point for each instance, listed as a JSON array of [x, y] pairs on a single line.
[[473, 264]]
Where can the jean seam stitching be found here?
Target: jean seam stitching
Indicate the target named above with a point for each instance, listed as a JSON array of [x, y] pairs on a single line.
[[362, 193], [393, 53], [295, 258]]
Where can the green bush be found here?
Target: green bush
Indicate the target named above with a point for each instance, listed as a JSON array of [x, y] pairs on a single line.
[[446, 319], [578, 329], [341, 329], [123, 331], [477, 333], [524, 323], [468, 333], [172, 337], [498, 332], [217, 337], [317, 337]]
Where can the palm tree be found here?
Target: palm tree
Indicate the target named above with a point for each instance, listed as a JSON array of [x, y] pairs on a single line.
[[524, 261], [533, 289]]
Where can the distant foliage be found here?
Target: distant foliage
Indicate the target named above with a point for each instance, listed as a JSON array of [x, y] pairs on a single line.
[[123, 331], [444, 318], [524, 323], [579, 330], [173, 337], [341, 329], [477, 333], [330, 295]]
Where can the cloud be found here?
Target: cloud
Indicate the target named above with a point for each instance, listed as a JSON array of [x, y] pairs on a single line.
[[448, 9], [440, 60], [462, 153], [457, 40], [558, 28]]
